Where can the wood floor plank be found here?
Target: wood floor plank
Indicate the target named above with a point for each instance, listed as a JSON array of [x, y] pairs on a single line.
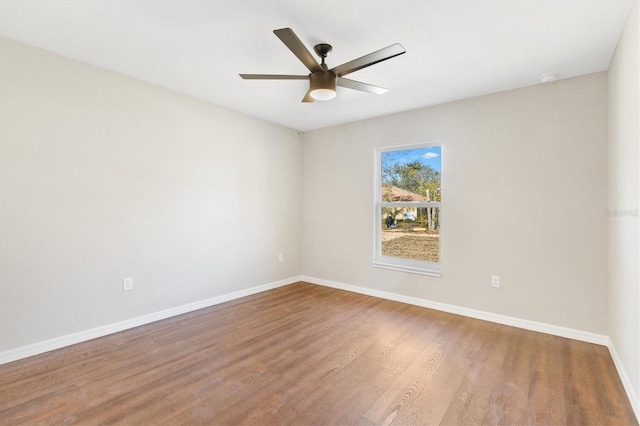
[[581, 395], [463, 341], [611, 386], [307, 354], [351, 405], [546, 387], [510, 396], [402, 393], [318, 401], [471, 403]]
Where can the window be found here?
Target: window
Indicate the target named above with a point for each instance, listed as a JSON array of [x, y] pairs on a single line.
[[407, 208]]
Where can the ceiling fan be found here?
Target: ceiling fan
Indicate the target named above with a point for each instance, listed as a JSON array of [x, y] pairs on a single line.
[[322, 80]]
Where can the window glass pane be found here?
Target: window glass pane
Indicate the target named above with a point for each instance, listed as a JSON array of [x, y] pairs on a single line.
[[410, 233], [411, 175]]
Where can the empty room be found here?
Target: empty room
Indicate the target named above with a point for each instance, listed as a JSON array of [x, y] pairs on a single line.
[[319, 212]]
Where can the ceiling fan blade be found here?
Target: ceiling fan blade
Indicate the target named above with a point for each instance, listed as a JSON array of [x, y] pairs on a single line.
[[308, 97], [370, 59], [291, 40], [363, 87], [273, 77]]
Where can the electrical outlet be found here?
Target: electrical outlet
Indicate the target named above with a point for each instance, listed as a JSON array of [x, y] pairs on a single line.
[[127, 284], [495, 281], [281, 258]]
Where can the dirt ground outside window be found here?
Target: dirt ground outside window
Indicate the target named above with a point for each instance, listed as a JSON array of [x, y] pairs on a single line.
[[411, 245]]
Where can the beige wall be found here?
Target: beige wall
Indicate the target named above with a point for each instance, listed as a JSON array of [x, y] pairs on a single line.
[[104, 177], [524, 191], [624, 194]]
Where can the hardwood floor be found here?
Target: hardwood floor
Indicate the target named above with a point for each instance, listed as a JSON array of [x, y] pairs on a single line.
[[304, 354]]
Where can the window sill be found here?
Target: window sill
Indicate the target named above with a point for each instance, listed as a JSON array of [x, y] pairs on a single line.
[[431, 270]]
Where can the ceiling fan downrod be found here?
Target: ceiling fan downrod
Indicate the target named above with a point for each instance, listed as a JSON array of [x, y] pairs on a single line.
[[322, 50]]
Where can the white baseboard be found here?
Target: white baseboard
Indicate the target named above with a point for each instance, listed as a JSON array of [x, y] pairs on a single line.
[[83, 336], [634, 398], [555, 330]]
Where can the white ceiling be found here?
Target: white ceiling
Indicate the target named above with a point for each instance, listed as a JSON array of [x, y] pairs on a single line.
[[455, 49]]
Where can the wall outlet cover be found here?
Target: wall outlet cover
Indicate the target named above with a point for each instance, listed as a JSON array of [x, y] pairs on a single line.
[[495, 281], [127, 284]]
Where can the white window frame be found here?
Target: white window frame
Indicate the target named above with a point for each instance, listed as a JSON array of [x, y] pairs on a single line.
[[433, 269]]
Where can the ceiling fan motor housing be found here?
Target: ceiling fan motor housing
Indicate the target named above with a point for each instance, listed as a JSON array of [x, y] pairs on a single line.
[[323, 85]]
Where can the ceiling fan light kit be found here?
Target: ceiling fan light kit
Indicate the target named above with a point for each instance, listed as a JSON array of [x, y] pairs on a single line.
[[322, 85], [322, 80]]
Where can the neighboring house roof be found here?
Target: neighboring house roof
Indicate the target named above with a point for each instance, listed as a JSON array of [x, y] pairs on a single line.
[[393, 193]]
